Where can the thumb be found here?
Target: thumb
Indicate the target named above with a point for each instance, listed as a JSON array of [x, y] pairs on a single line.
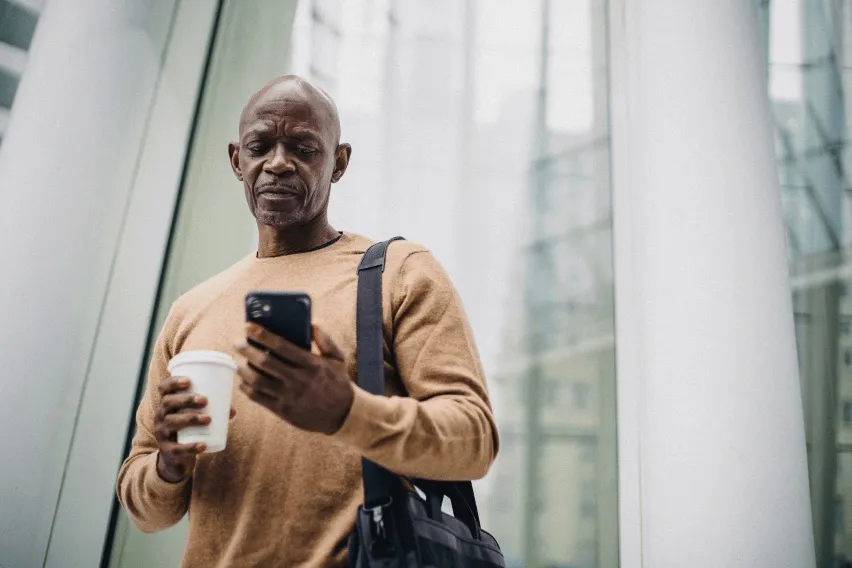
[[326, 345]]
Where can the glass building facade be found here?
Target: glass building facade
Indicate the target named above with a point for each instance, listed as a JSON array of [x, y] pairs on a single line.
[[17, 25], [483, 130], [808, 46]]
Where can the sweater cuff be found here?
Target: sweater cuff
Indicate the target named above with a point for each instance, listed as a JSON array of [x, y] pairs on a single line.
[[158, 486], [363, 423]]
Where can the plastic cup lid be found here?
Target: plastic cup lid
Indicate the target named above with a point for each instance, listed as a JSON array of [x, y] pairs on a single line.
[[216, 357]]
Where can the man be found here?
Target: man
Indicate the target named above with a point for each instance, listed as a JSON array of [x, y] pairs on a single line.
[[285, 490]]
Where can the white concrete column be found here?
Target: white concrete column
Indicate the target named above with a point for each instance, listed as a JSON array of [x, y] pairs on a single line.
[[712, 458], [66, 166]]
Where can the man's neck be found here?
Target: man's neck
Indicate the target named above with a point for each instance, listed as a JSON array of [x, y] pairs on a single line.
[[280, 242]]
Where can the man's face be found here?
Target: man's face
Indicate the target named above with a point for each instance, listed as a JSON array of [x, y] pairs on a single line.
[[287, 155]]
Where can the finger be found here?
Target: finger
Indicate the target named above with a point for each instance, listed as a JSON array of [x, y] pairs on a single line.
[[175, 402], [258, 382], [279, 346], [177, 422], [327, 346], [182, 451], [266, 362], [173, 384], [263, 399]]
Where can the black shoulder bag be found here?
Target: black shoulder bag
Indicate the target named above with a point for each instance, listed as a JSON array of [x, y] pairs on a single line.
[[396, 527]]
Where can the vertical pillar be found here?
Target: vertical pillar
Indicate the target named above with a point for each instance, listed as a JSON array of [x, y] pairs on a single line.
[[713, 467], [66, 166]]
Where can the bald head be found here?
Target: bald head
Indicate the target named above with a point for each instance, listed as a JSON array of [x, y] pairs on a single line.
[[298, 90]]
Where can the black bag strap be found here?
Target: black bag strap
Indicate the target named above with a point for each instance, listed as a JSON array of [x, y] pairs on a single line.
[[461, 496], [379, 483]]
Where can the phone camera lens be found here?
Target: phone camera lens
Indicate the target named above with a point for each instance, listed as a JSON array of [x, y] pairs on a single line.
[[258, 308]]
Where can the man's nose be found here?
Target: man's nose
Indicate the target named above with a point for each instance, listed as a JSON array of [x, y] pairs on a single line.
[[279, 162]]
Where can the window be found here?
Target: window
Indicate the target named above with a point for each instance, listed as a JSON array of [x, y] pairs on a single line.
[[581, 395], [838, 516], [589, 501]]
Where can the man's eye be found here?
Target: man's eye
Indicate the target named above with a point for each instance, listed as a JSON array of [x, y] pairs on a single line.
[[307, 152], [256, 148]]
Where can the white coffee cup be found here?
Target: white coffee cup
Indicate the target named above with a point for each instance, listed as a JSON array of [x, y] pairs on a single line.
[[212, 375]]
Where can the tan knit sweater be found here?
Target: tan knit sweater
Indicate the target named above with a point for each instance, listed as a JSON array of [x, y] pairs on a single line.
[[279, 496]]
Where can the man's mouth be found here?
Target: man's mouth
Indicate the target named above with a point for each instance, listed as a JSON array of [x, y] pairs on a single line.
[[279, 190]]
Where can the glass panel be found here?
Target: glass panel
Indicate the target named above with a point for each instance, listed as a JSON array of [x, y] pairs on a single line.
[[213, 227], [504, 174], [808, 44], [17, 26], [8, 87]]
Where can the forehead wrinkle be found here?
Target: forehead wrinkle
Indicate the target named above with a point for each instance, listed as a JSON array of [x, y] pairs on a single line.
[[290, 127], [294, 129]]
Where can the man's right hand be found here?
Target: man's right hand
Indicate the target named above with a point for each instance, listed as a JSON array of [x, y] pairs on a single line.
[[178, 409]]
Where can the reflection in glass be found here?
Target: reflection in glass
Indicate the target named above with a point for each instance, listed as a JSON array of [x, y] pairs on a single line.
[[808, 42]]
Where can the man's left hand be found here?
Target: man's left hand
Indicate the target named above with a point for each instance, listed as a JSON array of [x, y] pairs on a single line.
[[311, 391]]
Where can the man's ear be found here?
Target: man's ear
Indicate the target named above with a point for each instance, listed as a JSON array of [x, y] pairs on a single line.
[[341, 161], [234, 158]]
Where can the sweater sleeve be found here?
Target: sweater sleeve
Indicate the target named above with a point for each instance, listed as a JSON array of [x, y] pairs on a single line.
[[151, 502], [444, 429]]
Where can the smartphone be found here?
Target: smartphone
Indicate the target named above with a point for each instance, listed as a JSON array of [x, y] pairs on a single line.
[[287, 314]]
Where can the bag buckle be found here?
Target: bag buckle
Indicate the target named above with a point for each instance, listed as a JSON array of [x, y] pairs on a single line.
[[379, 522], [377, 517]]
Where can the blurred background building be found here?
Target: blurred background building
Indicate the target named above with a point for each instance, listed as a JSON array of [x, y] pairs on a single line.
[[17, 25], [485, 129]]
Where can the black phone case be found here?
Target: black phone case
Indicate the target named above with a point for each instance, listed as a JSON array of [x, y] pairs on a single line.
[[287, 314]]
